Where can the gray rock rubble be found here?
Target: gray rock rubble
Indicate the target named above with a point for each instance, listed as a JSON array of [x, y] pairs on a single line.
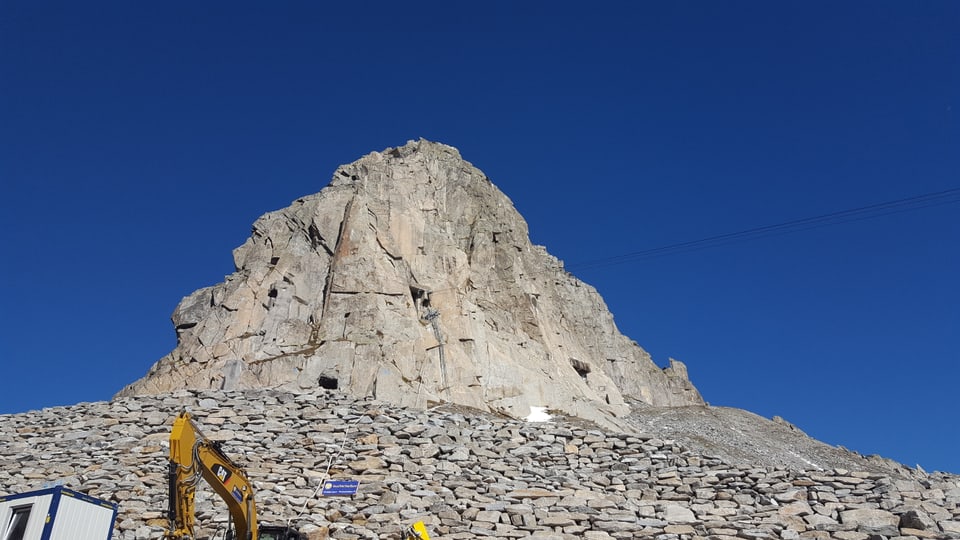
[[466, 474]]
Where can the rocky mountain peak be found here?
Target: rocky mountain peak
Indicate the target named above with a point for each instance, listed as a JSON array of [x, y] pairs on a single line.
[[411, 278]]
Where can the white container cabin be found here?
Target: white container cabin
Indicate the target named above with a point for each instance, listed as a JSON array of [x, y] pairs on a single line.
[[56, 513]]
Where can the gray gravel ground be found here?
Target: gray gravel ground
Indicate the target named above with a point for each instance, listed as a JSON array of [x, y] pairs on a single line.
[[744, 438]]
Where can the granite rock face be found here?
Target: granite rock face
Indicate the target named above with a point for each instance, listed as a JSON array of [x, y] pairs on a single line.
[[411, 278], [466, 474]]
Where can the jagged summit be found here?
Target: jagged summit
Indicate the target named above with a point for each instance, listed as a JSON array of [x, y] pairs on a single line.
[[411, 278]]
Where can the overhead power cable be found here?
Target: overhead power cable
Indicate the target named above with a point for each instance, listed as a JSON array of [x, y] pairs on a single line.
[[938, 198]]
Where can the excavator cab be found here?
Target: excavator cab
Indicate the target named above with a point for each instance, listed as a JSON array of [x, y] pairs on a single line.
[[279, 533]]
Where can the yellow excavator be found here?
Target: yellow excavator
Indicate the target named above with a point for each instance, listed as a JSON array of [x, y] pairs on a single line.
[[193, 456]]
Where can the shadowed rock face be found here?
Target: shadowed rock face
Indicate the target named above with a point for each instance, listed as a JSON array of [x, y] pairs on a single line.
[[411, 278]]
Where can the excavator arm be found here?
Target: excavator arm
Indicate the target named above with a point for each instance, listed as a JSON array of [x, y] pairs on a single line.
[[192, 457]]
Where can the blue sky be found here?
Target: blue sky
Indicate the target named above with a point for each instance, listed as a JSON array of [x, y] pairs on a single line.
[[139, 142]]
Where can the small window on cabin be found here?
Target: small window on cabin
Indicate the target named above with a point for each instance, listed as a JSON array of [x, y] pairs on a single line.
[[17, 527]]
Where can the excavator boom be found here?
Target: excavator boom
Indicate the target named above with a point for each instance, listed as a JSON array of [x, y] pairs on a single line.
[[194, 457]]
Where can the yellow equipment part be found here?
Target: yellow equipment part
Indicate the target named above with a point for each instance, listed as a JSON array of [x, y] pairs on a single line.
[[419, 531]]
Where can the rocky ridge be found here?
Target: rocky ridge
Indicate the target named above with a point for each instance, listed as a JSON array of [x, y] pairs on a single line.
[[743, 438], [411, 278], [467, 474]]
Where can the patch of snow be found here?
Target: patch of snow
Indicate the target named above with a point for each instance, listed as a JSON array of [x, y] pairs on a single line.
[[538, 414]]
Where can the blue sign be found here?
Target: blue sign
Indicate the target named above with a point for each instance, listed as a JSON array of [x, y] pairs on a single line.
[[340, 488]]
